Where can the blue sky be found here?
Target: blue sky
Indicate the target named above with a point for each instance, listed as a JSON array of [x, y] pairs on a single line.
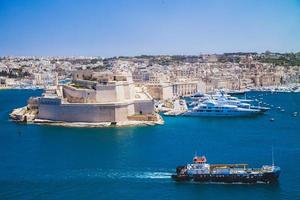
[[131, 27]]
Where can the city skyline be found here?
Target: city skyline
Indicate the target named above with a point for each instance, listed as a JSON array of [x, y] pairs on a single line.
[[162, 27]]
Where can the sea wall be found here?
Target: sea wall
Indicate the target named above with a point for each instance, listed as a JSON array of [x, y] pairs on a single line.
[[77, 113], [144, 106], [122, 112], [93, 112], [53, 108]]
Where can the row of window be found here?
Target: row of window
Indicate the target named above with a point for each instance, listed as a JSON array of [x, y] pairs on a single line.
[[208, 107], [216, 111]]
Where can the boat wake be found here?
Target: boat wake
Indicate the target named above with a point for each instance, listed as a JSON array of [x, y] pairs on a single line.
[[93, 174], [102, 174], [153, 175]]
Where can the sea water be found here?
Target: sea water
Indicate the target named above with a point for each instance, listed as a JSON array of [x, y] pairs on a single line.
[[49, 162]]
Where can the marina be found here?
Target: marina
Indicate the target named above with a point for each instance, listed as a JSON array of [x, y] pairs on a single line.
[[218, 104]]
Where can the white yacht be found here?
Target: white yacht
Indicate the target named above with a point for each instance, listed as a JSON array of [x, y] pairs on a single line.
[[222, 98], [216, 108]]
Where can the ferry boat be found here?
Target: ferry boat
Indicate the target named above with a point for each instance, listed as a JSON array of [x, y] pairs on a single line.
[[214, 108], [201, 171]]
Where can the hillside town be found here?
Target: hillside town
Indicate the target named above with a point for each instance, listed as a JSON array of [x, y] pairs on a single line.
[[164, 77]]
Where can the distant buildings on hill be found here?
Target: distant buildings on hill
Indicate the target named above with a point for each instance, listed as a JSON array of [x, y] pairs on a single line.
[[163, 76]]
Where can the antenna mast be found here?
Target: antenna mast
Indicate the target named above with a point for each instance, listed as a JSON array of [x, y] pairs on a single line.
[[273, 156]]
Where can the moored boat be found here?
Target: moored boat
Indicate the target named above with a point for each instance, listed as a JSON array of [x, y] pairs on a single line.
[[217, 109]]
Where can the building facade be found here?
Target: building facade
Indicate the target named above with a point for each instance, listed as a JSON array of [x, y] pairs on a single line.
[[95, 97]]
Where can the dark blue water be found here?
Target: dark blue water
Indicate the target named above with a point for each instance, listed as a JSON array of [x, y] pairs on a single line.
[[45, 162]]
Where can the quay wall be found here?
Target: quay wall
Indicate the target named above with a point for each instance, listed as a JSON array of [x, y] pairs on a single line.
[[144, 107], [122, 112], [92, 113], [78, 113]]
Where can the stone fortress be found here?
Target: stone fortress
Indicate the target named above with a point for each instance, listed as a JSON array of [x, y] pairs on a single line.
[[94, 97]]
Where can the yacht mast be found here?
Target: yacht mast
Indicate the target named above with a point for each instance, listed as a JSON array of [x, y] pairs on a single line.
[[273, 164]]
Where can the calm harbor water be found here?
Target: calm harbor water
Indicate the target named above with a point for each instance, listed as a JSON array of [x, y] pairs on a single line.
[[47, 162]]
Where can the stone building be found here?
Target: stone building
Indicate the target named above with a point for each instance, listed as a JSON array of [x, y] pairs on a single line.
[[185, 88], [95, 97], [162, 91]]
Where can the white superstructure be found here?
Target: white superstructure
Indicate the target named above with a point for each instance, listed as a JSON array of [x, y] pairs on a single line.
[[217, 108]]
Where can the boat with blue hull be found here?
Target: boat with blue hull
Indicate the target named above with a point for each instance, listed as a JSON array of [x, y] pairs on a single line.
[[201, 171]]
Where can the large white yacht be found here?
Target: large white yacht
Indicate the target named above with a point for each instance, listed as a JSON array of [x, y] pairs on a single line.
[[217, 108], [222, 98]]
